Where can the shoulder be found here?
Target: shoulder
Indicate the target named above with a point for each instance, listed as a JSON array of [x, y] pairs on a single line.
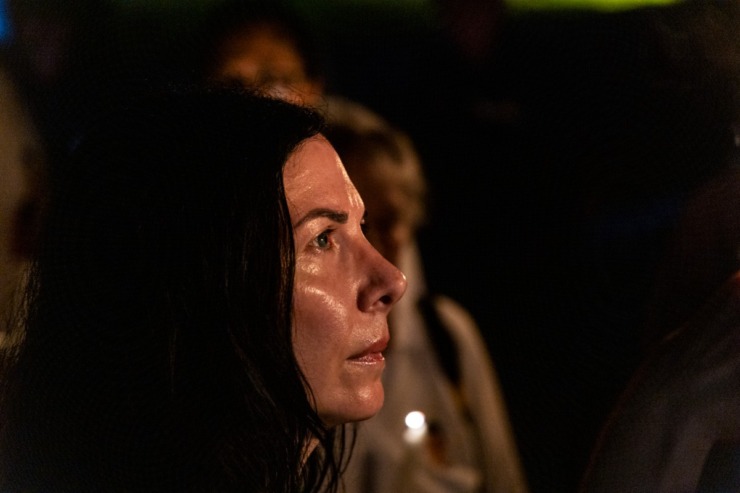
[[450, 310], [458, 321]]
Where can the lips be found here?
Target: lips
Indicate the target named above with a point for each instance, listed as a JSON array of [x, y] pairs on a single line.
[[372, 353]]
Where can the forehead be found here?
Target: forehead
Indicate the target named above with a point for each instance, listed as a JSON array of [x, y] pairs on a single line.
[[315, 177]]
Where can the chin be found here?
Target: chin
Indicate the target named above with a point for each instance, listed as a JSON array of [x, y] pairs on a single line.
[[364, 406], [369, 412]]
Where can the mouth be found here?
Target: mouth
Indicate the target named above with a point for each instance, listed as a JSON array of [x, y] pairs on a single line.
[[372, 353]]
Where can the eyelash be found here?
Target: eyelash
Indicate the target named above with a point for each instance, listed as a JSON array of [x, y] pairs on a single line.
[[328, 233]]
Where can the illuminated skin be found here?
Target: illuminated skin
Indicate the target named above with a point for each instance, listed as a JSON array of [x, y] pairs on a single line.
[[343, 290]]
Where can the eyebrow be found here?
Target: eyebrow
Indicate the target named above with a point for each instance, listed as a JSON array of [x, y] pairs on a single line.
[[336, 216]]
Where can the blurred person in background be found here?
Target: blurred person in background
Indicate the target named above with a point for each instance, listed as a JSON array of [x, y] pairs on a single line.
[[676, 426], [22, 185], [703, 253], [438, 362], [264, 46], [69, 65], [269, 47]]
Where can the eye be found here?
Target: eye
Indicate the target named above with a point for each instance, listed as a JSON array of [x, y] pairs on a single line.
[[323, 241], [363, 226]]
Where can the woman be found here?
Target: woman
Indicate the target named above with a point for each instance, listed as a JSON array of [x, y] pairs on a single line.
[[205, 311]]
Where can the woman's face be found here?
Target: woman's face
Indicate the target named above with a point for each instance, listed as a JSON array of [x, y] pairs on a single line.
[[344, 288]]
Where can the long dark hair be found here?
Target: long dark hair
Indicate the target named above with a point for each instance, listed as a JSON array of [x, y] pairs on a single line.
[[157, 351]]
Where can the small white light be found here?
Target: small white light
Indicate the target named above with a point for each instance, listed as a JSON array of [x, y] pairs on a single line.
[[415, 420], [416, 428]]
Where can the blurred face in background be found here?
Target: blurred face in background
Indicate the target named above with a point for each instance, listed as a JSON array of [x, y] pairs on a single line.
[[259, 56], [393, 190]]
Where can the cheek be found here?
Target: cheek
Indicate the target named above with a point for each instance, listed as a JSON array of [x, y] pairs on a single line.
[[328, 330], [318, 336], [321, 299]]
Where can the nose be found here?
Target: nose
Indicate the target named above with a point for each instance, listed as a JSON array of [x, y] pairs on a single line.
[[384, 286]]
